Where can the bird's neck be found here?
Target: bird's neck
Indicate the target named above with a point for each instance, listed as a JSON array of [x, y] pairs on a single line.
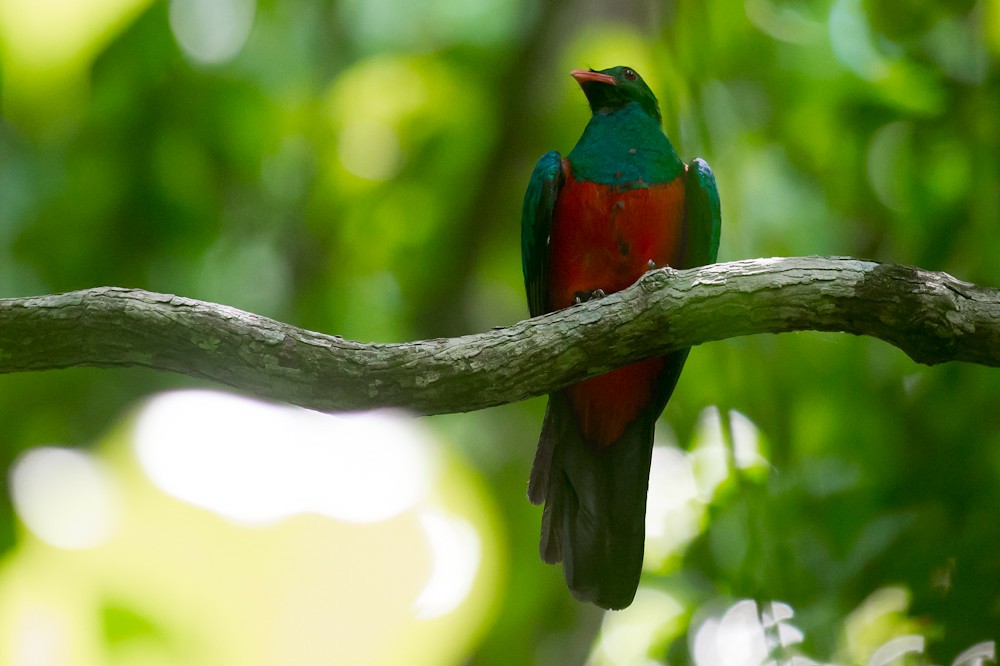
[[625, 148]]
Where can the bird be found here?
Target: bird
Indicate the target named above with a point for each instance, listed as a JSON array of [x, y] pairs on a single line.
[[593, 222]]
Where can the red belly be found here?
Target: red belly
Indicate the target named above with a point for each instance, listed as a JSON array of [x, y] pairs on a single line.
[[603, 238]]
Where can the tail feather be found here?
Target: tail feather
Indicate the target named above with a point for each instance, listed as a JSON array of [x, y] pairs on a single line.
[[595, 505], [594, 520], [538, 482], [539, 488]]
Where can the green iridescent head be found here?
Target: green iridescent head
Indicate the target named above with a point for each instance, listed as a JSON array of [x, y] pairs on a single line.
[[609, 90]]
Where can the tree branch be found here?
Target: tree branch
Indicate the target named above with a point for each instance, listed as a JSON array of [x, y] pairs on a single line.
[[933, 317]]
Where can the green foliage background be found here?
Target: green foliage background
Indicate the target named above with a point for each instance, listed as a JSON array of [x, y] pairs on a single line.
[[357, 168]]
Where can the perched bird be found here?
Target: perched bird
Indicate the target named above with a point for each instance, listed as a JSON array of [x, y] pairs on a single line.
[[593, 222]]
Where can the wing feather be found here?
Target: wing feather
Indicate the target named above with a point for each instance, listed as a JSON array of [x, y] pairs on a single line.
[[536, 225], [704, 215]]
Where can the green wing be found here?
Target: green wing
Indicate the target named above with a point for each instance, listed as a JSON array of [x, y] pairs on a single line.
[[536, 225], [704, 215]]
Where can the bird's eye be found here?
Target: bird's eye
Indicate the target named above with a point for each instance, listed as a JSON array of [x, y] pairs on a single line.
[[629, 74]]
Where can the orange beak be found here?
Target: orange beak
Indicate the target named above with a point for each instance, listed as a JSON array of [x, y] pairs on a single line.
[[582, 75]]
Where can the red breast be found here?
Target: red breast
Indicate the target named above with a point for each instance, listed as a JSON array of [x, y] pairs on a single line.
[[603, 237]]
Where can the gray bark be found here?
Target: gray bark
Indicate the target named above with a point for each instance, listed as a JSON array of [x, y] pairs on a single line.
[[933, 317]]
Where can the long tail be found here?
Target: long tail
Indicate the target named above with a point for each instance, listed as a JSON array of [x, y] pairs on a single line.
[[595, 505], [594, 519]]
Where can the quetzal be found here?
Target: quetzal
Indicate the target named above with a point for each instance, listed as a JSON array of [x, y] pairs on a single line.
[[593, 222]]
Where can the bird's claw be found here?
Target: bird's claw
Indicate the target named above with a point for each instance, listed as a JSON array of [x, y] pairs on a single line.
[[584, 296]]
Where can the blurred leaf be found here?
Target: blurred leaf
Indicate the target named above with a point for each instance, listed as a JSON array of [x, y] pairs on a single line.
[[358, 168]]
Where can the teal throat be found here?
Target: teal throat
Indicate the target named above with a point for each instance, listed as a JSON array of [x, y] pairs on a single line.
[[625, 148]]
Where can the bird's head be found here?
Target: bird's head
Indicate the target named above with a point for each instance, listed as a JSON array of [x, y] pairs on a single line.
[[609, 90]]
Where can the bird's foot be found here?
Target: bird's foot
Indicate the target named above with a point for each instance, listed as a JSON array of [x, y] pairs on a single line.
[[584, 296]]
